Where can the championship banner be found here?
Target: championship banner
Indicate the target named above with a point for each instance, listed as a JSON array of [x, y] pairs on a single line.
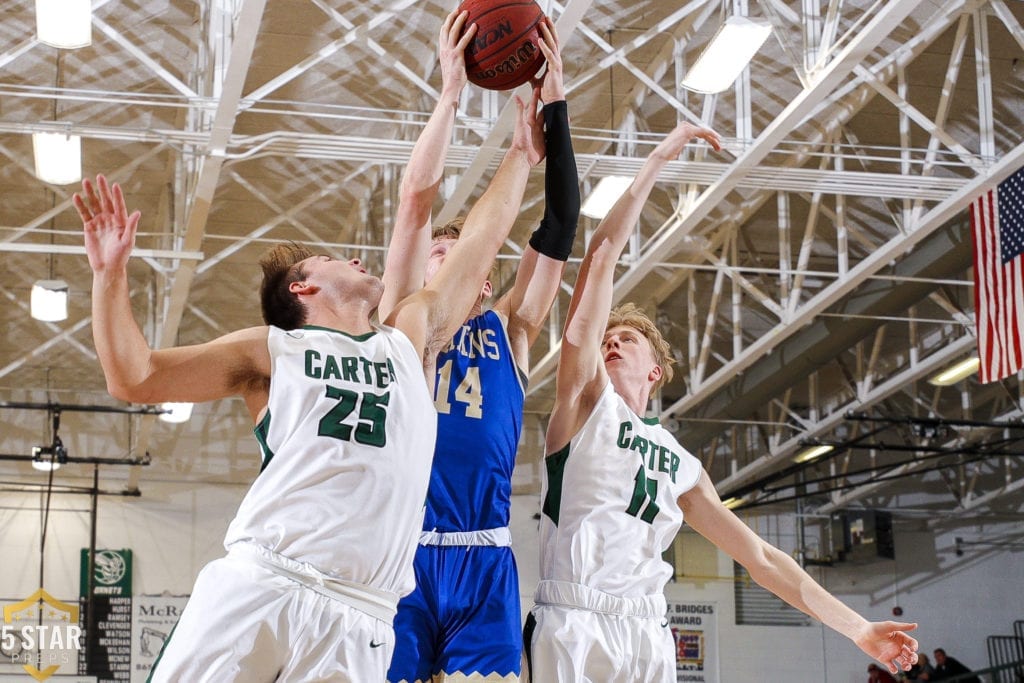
[[695, 631], [154, 617], [108, 632]]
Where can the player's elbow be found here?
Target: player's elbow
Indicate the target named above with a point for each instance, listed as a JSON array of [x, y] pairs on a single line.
[[123, 392], [417, 191], [123, 389]]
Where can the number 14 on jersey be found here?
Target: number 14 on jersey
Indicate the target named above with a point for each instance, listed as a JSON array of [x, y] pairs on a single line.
[[467, 392]]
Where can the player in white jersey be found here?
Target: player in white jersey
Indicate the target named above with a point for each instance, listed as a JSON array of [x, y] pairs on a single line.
[[321, 548], [616, 491]]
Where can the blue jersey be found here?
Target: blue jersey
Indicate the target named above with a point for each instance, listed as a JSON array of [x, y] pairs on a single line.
[[479, 400]]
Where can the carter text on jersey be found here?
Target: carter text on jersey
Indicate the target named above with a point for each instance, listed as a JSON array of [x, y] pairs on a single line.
[[349, 369], [656, 457]]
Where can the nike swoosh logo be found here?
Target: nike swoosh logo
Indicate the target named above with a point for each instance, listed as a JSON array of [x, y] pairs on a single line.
[[373, 644]]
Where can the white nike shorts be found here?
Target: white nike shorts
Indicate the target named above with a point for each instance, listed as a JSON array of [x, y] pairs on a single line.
[[586, 636], [247, 623]]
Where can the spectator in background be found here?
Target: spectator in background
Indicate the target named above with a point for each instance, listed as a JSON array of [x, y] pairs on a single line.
[[922, 671], [949, 667], [877, 674]]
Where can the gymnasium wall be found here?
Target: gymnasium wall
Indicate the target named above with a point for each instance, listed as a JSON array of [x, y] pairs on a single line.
[[175, 528]]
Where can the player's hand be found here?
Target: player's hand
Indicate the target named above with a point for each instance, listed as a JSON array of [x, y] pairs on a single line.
[[451, 51], [889, 643], [109, 229], [528, 137], [552, 88], [673, 144]]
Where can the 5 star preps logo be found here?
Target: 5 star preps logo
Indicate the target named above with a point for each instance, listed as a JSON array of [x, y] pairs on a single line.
[[41, 633]]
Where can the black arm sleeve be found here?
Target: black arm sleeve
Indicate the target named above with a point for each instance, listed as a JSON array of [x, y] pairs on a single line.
[[557, 229]]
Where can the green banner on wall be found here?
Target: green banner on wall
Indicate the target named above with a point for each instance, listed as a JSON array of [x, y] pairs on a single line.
[[108, 630], [112, 574]]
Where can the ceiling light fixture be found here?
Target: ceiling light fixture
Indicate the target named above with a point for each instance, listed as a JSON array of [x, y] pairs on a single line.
[[603, 197], [64, 23], [813, 452], [734, 502], [58, 157], [955, 373], [176, 412], [728, 53], [49, 301]]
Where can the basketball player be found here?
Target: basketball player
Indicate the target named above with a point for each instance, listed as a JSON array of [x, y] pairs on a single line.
[[617, 487], [463, 618], [321, 547]]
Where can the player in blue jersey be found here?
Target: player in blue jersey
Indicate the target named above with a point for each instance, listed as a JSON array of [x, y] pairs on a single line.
[[463, 618]]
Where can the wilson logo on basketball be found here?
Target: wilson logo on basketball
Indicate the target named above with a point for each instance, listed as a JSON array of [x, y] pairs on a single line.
[[511, 64]]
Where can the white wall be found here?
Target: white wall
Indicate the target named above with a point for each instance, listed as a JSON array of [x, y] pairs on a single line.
[[174, 529]]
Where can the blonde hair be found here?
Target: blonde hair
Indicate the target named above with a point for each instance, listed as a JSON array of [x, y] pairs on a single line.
[[631, 315]]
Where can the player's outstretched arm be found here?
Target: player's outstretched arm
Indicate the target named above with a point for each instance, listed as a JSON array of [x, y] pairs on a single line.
[[581, 371], [431, 316], [410, 239], [886, 641], [135, 372], [540, 270]]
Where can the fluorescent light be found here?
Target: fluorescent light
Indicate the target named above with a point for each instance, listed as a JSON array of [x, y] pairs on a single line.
[[728, 53], [604, 196], [177, 412], [49, 301], [813, 452], [44, 462], [955, 373], [733, 502], [58, 157], [64, 23]]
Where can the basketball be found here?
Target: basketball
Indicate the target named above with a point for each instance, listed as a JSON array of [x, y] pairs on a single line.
[[505, 52]]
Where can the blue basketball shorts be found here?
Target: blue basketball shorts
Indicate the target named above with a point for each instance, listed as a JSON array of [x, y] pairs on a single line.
[[462, 618]]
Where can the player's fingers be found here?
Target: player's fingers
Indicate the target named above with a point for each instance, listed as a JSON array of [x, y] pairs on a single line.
[[90, 194], [83, 210], [133, 222], [554, 31], [120, 210], [547, 30], [446, 26], [714, 139], [466, 37], [457, 25], [106, 200], [545, 48]]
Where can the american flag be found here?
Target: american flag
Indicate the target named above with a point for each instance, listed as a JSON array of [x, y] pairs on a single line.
[[997, 221]]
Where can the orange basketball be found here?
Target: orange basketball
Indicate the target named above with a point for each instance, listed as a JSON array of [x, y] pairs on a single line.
[[505, 51]]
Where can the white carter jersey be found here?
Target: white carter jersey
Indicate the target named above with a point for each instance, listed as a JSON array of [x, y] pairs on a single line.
[[347, 442], [611, 502]]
